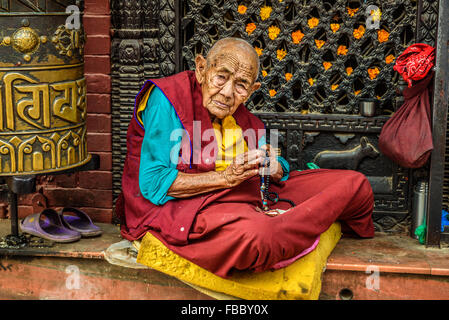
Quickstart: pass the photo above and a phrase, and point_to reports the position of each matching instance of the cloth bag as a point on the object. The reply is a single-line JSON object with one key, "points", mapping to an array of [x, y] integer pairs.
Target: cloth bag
{"points": [[406, 138]]}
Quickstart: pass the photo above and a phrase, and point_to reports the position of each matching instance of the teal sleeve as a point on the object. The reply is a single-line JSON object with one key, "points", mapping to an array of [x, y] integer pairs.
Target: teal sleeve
{"points": [[160, 150], [284, 164]]}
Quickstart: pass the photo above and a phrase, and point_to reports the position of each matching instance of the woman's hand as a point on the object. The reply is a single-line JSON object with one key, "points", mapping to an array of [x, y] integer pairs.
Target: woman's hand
{"points": [[243, 167], [275, 168]]}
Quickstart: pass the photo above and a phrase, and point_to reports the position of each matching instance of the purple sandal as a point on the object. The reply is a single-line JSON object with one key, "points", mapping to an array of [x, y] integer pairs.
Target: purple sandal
{"points": [[79, 222], [48, 225]]}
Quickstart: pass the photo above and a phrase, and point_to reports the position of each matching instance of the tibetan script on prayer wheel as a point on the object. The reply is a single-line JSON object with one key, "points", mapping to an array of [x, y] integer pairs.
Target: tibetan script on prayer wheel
{"points": [[42, 89]]}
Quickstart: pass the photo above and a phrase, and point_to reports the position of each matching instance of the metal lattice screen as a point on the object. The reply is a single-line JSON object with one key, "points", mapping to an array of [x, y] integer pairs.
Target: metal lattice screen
{"points": [[316, 56]]}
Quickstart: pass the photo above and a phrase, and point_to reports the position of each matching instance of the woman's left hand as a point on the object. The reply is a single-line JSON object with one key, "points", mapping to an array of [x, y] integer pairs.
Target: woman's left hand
{"points": [[275, 168]]}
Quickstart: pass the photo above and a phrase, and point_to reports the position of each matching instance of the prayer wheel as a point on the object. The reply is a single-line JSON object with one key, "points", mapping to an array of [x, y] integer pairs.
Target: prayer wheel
{"points": [[42, 88]]}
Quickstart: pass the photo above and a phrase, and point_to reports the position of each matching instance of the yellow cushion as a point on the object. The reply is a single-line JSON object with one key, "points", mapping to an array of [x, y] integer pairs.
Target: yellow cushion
{"points": [[300, 280]]}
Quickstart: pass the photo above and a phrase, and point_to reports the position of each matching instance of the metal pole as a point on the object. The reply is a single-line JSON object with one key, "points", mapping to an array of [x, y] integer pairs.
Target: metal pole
{"points": [[14, 216]]}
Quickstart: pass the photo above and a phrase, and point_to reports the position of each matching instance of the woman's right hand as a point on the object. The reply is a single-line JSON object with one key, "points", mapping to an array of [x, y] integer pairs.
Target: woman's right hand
{"points": [[243, 167]]}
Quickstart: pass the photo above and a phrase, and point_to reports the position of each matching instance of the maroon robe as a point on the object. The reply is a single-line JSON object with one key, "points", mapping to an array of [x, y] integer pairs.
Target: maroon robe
{"points": [[222, 231]]}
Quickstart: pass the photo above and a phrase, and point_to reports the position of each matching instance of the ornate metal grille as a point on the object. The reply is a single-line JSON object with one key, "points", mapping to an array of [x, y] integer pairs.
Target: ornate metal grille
{"points": [[316, 56]]}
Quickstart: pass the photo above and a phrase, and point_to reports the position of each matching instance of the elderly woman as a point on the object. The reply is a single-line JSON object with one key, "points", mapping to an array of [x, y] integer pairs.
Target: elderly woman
{"points": [[199, 192]]}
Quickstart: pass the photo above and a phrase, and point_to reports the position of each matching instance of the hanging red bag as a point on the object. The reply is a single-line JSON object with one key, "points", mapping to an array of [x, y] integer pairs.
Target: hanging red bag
{"points": [[406, 138]]}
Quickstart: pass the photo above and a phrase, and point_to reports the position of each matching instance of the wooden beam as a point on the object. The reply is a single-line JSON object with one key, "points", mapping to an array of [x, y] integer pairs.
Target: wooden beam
{"points": [[439, 127]]}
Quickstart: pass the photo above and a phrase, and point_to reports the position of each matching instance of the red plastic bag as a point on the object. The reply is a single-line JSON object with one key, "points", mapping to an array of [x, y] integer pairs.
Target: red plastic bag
{"points": [[407, 137]]}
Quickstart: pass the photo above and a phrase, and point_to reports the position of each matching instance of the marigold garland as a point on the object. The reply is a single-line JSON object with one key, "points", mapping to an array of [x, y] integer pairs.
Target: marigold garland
{"points": [[288, 76], [382, 35], [349, 70], [265, 12], [272, 92], [297, 36], [319, 43], [250, 27], [273, 32], [264, 73], [334, 86], [242, 9], [259, 51], [359, 32], [373, 72], [327, 65], [342, 50], [389, 59], [280, 54], [311, 81], [313, 22], [357, 92], [335, 27]]}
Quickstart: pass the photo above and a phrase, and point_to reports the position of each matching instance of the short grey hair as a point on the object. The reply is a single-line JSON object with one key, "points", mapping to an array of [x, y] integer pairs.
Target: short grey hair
{"points": [[239, 43]]}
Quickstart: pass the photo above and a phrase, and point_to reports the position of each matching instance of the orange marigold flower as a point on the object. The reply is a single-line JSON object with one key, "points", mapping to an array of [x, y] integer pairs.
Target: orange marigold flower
{"points": [[335, 27], [272, 93], [264, 73], [265, 12], [250, 27], [357, 92], [389, 59], [297, 36], [352, 12], [359, 32], [311, 81], [382, 35], [258, 50], [349, 71], [273, 32], [373, 72], [288, 76], [342, 50], [242, 9], [327, 65], [378, 97], [280, 54], [334, 86], [313, 22], [319, 43]]}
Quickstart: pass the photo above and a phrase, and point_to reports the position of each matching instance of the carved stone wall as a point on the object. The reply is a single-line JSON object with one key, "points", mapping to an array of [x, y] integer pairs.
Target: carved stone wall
{"points": [[135, 57]]}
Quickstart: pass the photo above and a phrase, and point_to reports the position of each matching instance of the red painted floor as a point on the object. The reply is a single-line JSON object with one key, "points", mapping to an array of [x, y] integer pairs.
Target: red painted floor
{"points": [[385, 267]]}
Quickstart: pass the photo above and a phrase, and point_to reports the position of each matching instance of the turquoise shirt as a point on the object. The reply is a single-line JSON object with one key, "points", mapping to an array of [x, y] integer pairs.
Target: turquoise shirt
{"points": [[160, 149]]}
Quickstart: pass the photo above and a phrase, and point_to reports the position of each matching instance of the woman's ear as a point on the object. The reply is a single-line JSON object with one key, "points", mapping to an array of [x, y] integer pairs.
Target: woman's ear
{"points": [[255, 87], [200, 68]]}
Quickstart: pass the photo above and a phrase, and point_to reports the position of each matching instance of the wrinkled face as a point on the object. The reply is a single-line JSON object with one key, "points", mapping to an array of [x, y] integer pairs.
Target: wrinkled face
{"points": [[227, 80]]}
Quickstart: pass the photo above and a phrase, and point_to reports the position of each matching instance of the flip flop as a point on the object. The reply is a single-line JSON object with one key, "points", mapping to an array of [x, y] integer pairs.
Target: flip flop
{"points": [[48, 225], [79, 222]]}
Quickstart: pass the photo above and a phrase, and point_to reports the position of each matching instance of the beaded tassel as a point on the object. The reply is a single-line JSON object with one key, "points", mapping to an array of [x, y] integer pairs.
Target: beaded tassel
{"points": [[264, 185]]}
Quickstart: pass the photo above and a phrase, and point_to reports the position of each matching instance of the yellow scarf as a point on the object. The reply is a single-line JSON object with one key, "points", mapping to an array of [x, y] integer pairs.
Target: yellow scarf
{"points": [[230, 142]]}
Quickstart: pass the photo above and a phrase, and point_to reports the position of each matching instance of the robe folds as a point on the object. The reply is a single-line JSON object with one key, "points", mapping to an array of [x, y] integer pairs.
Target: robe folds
{"points": [[222, 231]]}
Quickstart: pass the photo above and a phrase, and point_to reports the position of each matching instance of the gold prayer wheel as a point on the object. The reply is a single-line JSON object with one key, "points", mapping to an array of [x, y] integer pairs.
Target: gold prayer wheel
{"points": [[42, 88]]}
